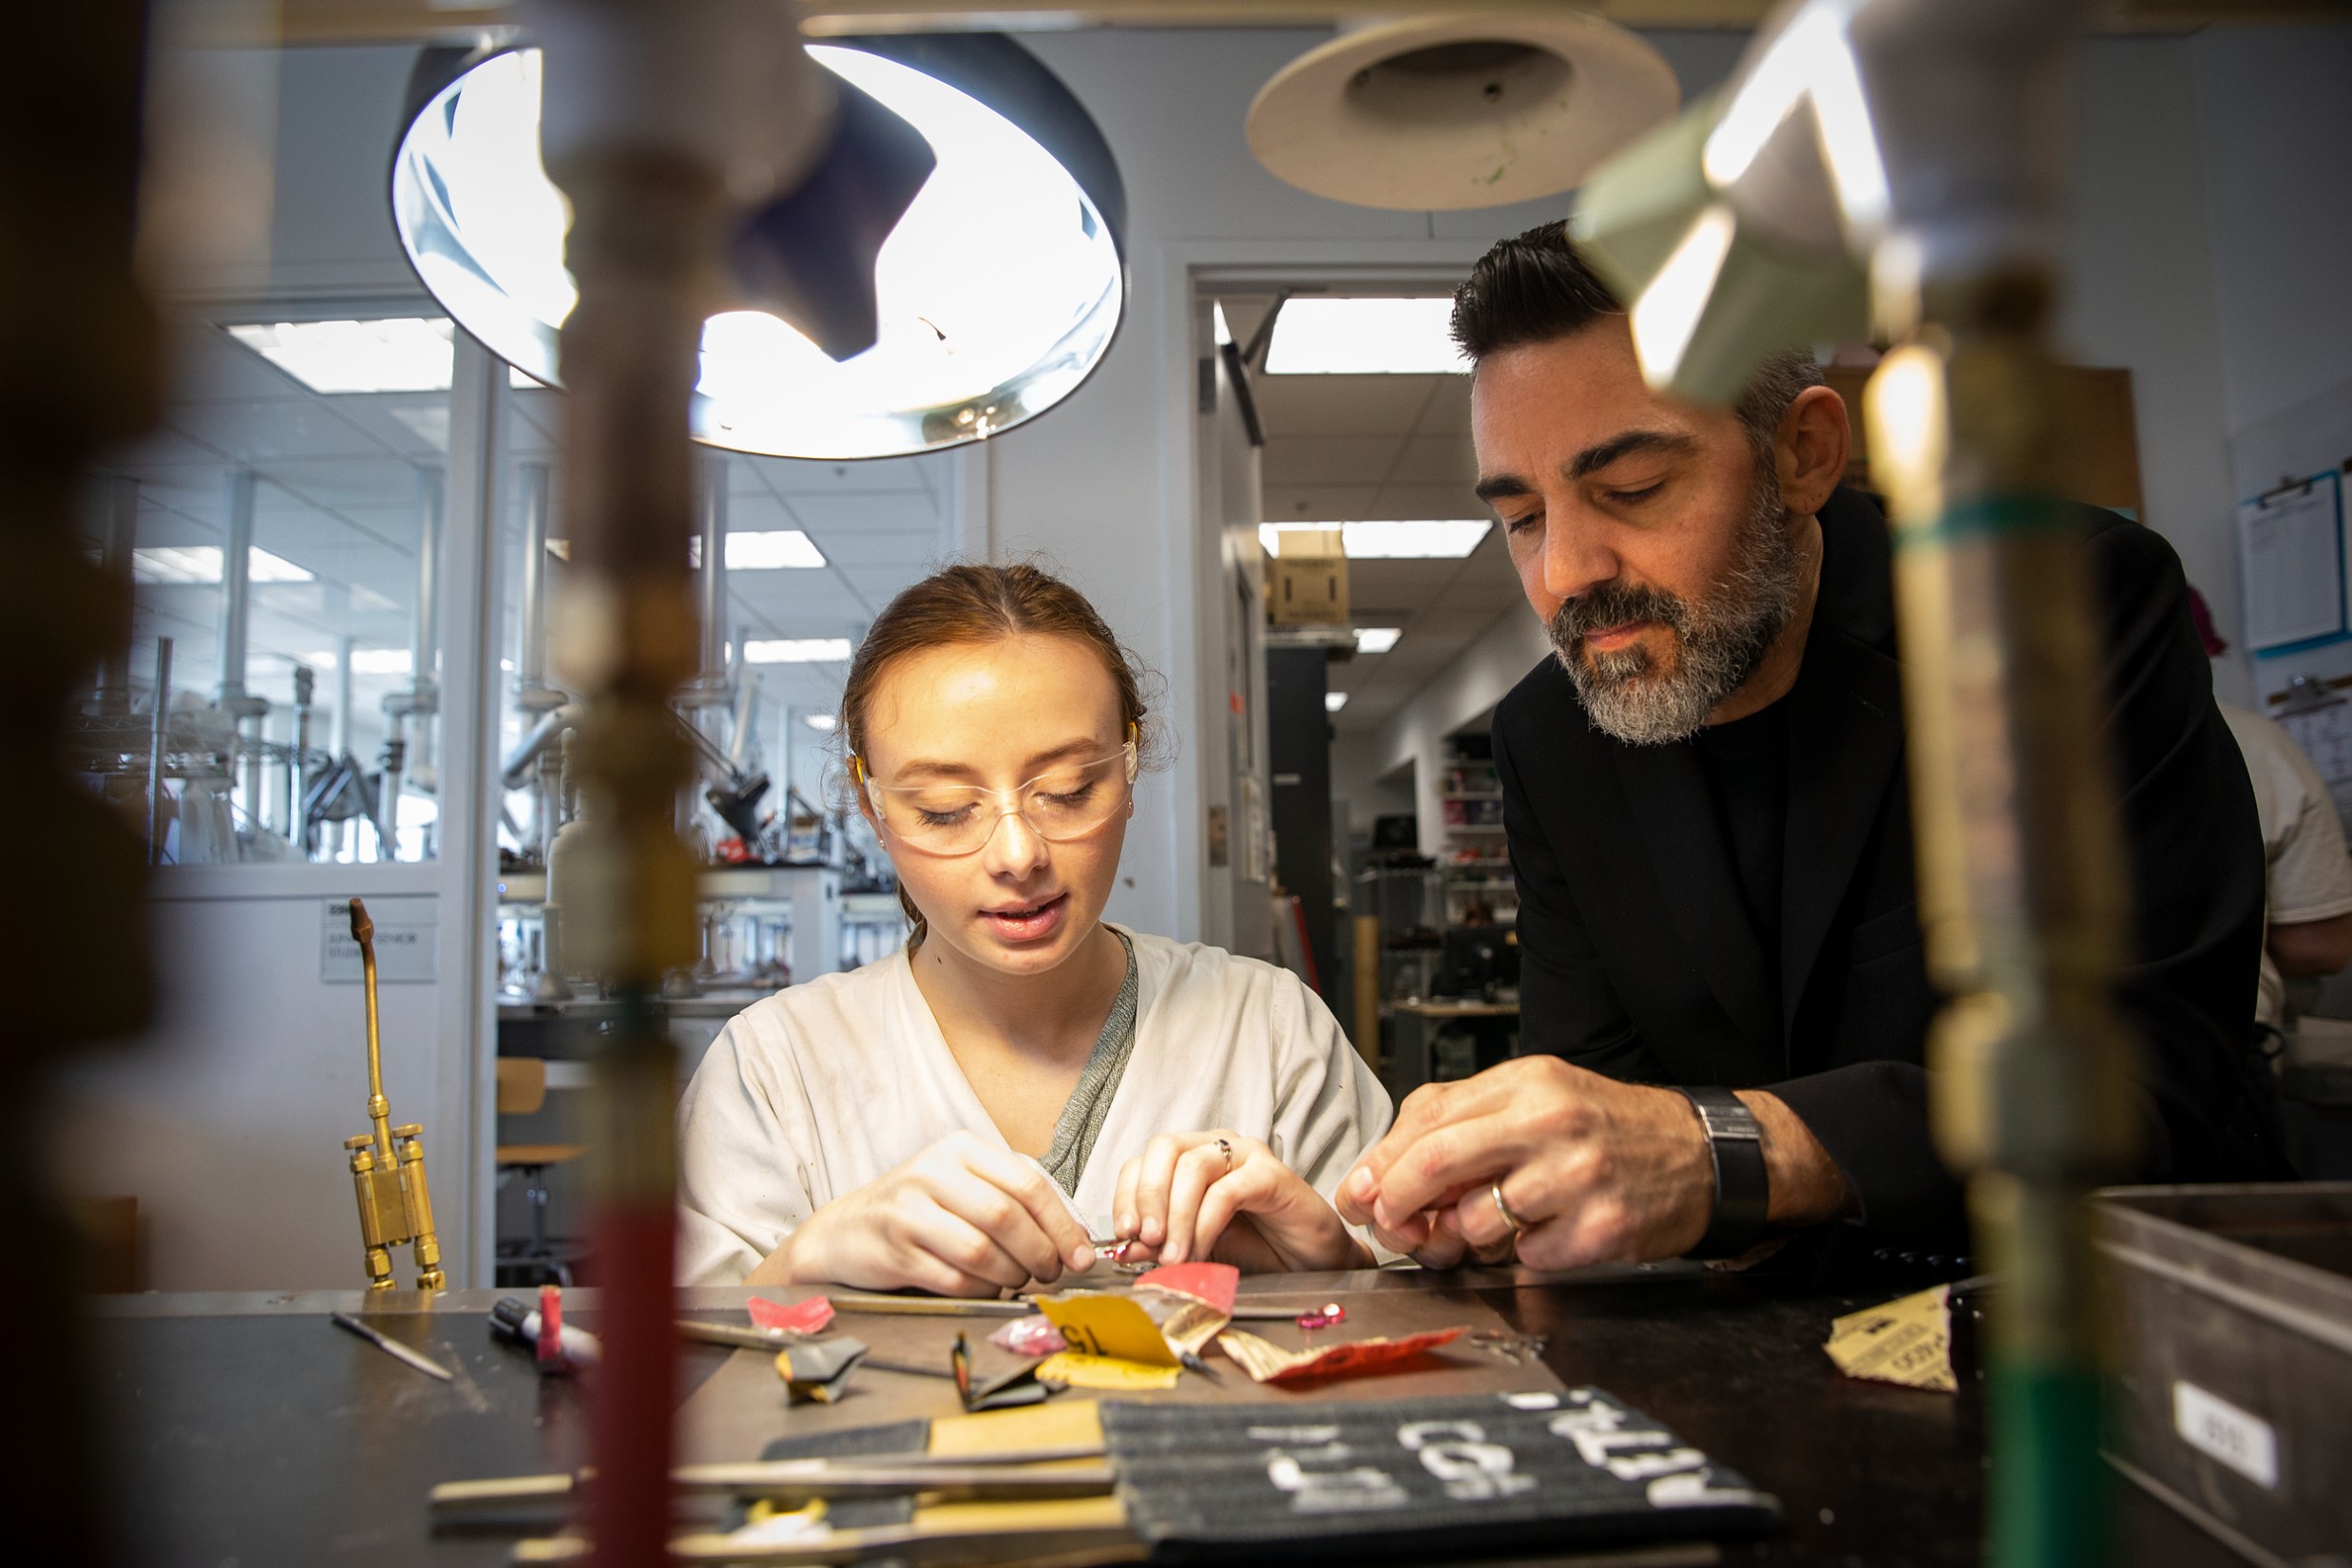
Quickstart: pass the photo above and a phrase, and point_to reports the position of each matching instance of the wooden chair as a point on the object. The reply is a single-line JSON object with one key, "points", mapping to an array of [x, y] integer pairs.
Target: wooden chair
{"points": [[521, 1090]]}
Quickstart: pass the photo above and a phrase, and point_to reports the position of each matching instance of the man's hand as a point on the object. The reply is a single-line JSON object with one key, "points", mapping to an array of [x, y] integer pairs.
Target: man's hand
{"points": [[1595, 1170], [962, 1218], [1598, 1171], [1222, 1196]]}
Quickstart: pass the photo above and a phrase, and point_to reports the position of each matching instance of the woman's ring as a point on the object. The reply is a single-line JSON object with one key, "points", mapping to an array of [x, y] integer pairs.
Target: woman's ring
{"points": [[1503, 1209], [1226, 1149]]}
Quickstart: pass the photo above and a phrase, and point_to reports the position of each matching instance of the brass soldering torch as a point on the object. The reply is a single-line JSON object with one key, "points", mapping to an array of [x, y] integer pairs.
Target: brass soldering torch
{"points": [[388, 1165]]}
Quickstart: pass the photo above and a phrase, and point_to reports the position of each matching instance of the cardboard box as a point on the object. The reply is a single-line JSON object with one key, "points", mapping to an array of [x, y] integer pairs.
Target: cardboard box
{"points": [[1306, 581]]}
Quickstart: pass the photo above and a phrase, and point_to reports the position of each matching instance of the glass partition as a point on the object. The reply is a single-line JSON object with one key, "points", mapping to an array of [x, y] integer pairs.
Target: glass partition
{"points": [[807, 554], [278, 527]]}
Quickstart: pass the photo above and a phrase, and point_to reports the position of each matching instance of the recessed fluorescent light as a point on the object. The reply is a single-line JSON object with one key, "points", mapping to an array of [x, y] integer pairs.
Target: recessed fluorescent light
{"points": [[778, 548], [1333, 701], [1377, 638], [370, 660], [821, 724], [1316, 337], [401, 353], [380, 661], [798, 650], [1433, 539], [202, 563]]}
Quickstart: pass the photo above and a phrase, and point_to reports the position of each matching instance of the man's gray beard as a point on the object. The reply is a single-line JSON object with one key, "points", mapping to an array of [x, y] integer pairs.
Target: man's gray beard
{"points": [[1722, 640]]}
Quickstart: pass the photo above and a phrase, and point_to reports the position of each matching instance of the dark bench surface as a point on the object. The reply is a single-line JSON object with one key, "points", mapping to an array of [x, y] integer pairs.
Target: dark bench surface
{"points": [[247, 1431]]}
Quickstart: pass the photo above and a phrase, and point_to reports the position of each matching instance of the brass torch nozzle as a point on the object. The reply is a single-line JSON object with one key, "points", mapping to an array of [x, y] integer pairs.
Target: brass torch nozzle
{"points": [[363, 929]]}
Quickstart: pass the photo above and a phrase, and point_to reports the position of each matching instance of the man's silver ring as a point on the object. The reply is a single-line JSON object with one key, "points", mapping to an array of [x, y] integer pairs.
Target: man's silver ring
{"points": [[1226, 1148], [1503, 1209]]}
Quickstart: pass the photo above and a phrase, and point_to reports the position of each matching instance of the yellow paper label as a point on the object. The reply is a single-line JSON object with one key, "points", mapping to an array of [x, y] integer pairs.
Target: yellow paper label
{"points": [[1081, 1371], [1108, 1325], [1906, 1341]]}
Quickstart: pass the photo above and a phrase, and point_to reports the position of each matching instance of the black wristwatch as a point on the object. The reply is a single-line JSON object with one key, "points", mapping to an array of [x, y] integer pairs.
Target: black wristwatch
{"points": [[1743, 1193]]}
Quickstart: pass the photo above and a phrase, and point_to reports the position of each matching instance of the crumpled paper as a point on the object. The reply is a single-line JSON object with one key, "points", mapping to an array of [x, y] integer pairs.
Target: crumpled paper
{"points": [[1907, 1341], [1266, 1361]]}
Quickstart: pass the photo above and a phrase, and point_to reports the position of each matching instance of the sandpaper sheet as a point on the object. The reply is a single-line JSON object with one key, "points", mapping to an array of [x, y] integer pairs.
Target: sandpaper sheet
{"points": [[741, 1407]]}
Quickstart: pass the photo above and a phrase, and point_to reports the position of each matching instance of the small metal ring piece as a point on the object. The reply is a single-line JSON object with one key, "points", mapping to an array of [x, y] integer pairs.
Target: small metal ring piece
{"points": [[1226, 1148], [1503, 1209]]}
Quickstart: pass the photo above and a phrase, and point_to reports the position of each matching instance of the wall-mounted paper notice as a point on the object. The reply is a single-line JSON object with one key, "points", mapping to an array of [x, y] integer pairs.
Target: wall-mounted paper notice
{"points": [[2290, 547]]}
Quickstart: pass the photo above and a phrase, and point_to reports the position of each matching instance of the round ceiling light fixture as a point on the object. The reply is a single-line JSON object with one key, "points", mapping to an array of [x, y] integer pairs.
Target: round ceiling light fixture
{"points": [[1442, 113], [995, 295]]}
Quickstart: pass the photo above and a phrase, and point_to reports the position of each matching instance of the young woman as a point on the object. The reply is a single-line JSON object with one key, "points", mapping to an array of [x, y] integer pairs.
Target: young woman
{"points": [[1025, 1079]]}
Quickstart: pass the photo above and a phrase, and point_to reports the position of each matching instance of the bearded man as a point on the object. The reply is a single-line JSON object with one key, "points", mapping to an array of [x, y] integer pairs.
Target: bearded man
{"points": [[1723, 995]]}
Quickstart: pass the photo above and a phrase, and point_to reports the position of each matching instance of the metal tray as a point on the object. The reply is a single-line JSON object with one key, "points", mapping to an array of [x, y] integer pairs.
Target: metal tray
{"points": [[2233, 1397]]}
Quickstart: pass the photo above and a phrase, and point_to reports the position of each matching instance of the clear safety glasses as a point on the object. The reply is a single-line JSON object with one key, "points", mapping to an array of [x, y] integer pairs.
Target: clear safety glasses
{"points": [[1066, 802]]}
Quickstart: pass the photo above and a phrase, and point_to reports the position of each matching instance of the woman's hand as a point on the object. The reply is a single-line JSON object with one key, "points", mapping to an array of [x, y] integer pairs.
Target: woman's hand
{"points": [[962, 1218], [1221, 1196]]}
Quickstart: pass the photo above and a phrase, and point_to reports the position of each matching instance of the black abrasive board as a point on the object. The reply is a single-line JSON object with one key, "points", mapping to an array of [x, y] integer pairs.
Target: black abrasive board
{"points": [[1469, 1473]]}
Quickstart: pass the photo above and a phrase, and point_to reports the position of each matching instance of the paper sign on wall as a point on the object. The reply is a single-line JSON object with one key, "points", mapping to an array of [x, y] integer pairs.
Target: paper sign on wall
{"points": [[408, 935], [2291, 553]]}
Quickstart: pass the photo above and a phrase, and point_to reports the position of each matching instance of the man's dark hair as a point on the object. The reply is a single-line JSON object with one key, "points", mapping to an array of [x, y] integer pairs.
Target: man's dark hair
{"points": [[1535, 288]]}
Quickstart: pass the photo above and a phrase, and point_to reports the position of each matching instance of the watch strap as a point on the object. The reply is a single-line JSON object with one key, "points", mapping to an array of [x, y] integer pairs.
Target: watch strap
{"points": [[1743, 1191]]}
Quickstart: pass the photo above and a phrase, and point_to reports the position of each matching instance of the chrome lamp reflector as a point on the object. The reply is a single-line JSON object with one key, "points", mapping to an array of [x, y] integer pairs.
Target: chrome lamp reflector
{"points": [[997, 293]]}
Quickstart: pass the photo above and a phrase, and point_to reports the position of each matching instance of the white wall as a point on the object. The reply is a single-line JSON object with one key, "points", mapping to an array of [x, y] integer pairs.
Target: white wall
{"points": [[2277, 139], [2140, 294], [226, 1122], [2277, 118]]}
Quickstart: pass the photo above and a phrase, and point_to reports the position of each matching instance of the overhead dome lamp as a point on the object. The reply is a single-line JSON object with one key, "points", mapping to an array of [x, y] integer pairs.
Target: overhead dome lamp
{"points": [[1442, 113], [954, 268]]}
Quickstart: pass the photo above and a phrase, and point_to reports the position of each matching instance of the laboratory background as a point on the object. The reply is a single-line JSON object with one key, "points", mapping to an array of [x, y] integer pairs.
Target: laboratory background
{"points": [[354, 664]]}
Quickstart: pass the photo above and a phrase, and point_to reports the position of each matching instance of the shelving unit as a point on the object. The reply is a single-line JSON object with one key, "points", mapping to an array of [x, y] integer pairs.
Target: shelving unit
{"points": [[1474, 858]]}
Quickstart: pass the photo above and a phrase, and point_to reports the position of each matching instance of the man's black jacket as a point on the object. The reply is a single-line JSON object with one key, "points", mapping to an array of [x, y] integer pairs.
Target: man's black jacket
{"points": [[1638, 958]]}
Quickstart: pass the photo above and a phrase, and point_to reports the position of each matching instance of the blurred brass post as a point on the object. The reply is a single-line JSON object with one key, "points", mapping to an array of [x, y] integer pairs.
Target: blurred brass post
{"points": [[80, 374], [2021, 870], [645, 242]]}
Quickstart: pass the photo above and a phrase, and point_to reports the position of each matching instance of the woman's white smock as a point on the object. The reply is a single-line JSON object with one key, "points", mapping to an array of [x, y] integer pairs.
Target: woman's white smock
{"points": [[822, 1088]]}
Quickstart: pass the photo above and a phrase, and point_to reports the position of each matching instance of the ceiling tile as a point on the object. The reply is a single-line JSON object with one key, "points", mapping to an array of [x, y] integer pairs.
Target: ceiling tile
{"points": [[412, 424], [898, 512], [1317, 503], [258, 431], [159, 452], [373, 480], [910, 553], [795, 477], [1413, 583], [1455, 499], [1436, 460], [1448, 413], [1342, 405], [757, 513], [1328, 459], [298, 529], [209, 366]]}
